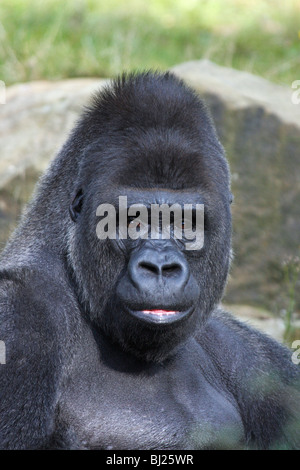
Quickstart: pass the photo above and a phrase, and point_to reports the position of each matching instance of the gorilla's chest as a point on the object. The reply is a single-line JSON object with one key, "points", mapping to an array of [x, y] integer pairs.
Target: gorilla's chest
{"points": [[158, 409]]}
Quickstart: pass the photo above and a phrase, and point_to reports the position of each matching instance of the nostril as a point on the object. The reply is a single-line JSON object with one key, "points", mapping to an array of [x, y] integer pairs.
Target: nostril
{"points": [[151, 268], [172, 269], [166, 270]]}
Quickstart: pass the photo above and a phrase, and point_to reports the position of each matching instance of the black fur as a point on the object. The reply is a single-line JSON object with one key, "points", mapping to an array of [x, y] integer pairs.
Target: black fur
{"points": [[83, 370]]}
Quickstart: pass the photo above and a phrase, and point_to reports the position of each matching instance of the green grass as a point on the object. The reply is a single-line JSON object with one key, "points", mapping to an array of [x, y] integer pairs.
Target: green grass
{"points": [[53, 39]]}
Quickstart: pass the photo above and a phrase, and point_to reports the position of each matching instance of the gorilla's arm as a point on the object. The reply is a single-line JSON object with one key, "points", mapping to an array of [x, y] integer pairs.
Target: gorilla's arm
{"points": [[30, 312], [260, 374]]}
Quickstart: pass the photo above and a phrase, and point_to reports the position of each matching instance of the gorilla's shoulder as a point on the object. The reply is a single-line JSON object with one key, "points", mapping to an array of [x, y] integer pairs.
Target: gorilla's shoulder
{"points": [[33, 301], [231, 342], [27, 281], [260, 374]]}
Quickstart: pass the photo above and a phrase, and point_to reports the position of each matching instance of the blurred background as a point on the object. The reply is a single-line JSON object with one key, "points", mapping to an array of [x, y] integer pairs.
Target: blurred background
{"points": [[253, 49], [51, 39]]}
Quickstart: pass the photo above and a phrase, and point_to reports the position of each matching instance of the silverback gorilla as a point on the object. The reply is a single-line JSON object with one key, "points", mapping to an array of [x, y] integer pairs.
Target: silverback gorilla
{"points": [[120, 343]]}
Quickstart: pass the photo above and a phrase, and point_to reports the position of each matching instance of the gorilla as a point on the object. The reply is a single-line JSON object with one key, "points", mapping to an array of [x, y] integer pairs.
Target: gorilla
{"points": [[121, 343]]}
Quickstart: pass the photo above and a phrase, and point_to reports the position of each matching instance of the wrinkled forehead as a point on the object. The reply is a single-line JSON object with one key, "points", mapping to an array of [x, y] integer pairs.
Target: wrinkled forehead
{"points": [[148, 196], [155, 158]]}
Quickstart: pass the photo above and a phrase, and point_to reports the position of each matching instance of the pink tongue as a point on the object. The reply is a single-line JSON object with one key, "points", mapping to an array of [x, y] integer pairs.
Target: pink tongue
{"points": [[160, 312]]}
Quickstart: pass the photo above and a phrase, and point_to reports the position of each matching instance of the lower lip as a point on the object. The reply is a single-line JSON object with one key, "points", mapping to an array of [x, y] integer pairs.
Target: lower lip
{"points": [[160, 316], [160, 312]]}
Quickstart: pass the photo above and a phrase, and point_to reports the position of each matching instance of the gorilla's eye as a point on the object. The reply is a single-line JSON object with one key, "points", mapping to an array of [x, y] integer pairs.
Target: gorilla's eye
{"points": [[186, 224], [130, 221], [133, 223], [76, 205]]}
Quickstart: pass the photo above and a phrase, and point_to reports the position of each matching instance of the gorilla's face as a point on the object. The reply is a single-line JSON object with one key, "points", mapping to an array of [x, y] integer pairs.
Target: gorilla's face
{"points": [[149, 294], [157, 286]]}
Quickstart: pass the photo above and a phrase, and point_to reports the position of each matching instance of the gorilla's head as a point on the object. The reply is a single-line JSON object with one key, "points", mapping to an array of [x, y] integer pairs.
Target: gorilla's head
{"points": [[148, 138]]}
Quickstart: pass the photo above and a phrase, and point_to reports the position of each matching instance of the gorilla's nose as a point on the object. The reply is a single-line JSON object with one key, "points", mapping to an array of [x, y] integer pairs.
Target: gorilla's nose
{"points": [[158, 267], [164, 268]]}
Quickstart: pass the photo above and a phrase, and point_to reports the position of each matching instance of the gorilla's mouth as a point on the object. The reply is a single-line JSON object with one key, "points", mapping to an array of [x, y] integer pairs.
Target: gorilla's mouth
{"points": [[160, 312], [160, 315]]}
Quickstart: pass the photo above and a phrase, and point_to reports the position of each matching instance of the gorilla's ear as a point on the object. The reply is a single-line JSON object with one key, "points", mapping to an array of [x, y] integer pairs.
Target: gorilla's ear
{"points": [[231, 197], [76, 205]]}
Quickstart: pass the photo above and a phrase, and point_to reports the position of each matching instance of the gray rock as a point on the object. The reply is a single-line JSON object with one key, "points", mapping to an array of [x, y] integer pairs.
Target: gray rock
{"points": [[35, 122]]}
